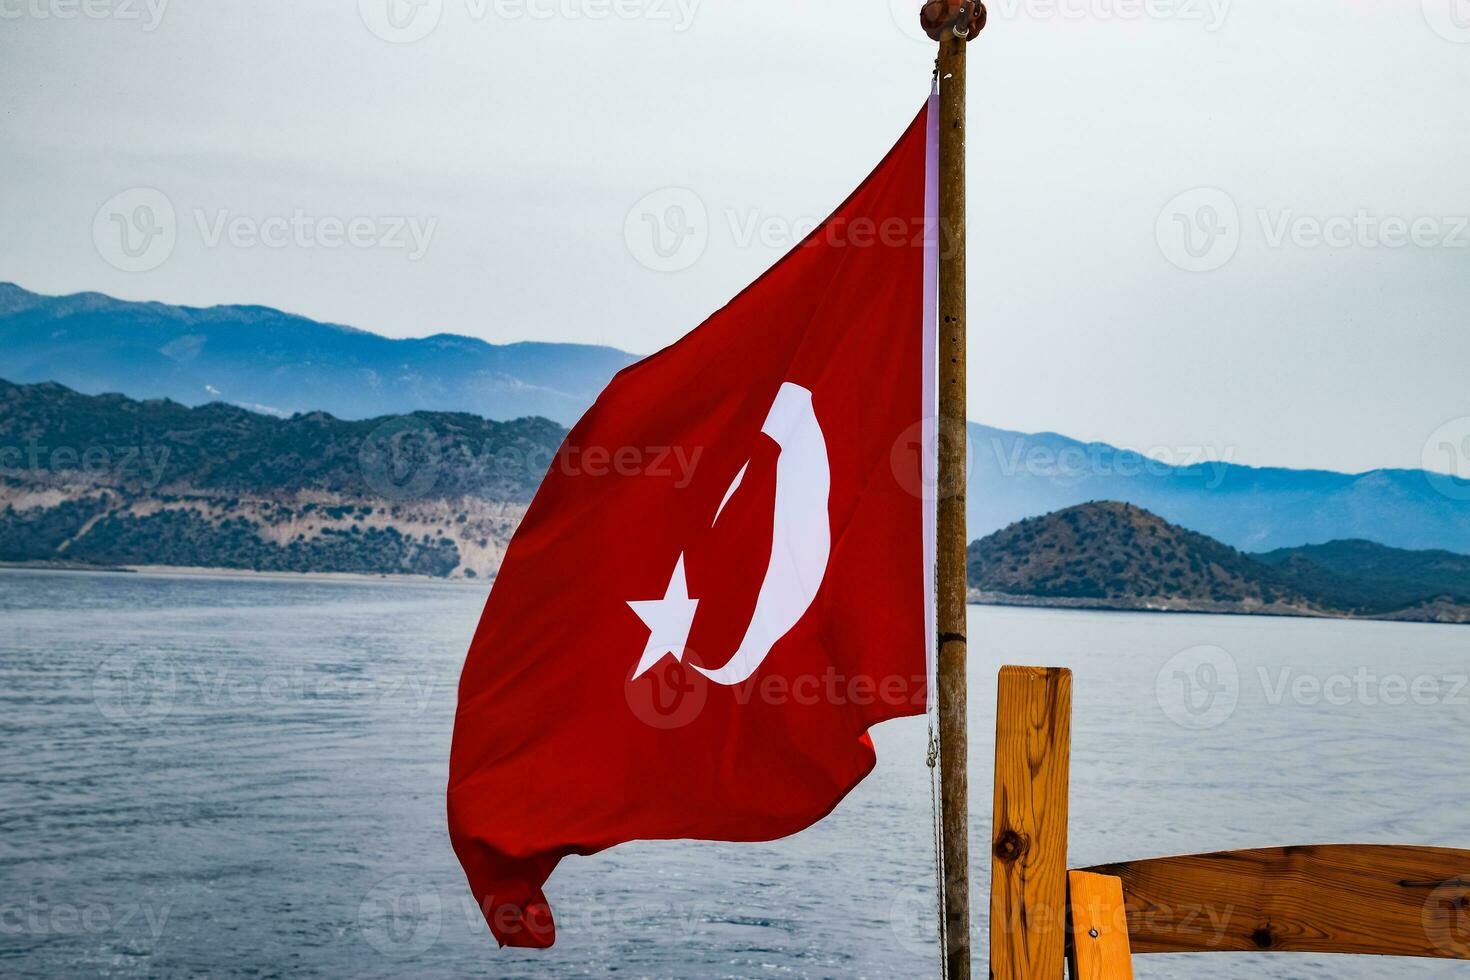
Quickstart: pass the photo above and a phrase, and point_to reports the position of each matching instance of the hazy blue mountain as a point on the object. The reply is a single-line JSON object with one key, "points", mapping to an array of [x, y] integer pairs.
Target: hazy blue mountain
{"points": [[281, 364], [1015, 476], [278, 363]]}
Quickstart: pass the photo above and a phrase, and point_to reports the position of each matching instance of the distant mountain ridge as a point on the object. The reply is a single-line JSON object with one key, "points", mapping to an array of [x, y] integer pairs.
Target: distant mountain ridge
{"points": [[1397, 578], [277, 363], [1109, 555], [1015, 475], [107, 480], [281, 364]]}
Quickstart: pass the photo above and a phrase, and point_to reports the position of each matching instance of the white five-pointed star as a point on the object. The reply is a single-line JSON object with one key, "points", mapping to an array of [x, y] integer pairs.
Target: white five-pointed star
{"points": [[668, 619]]}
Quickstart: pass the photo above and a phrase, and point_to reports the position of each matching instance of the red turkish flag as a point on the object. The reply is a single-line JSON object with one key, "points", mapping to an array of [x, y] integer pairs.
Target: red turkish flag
{"points": [[727, 575]]}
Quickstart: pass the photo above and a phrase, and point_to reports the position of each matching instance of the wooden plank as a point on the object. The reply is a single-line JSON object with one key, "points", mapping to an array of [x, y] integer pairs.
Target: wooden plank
{"points": [[1028, 844], [1388, 900], [1098, 935]]}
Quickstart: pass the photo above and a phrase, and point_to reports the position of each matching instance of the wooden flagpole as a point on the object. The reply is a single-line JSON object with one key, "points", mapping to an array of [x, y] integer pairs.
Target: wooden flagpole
{"points": [[951, 583]]}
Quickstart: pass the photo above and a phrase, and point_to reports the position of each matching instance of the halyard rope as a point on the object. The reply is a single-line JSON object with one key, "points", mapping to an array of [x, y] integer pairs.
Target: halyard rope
{"points": [[938, 821]]}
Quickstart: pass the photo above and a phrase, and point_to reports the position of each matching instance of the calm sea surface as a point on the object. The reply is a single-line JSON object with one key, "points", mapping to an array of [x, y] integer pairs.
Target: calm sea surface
{"points": [[244, 777]]}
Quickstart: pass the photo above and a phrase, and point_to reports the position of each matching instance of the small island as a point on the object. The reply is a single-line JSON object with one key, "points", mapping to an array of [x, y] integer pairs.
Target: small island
{"points": [[1109, 555]]}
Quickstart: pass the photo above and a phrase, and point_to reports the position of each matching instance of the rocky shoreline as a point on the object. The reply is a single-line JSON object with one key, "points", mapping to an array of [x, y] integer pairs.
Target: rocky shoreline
{"points": [[1441, 613]]}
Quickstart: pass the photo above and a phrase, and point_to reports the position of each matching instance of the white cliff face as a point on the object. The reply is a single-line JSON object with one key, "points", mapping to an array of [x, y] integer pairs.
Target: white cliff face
{"points": [[300, 532], [111, 481]]}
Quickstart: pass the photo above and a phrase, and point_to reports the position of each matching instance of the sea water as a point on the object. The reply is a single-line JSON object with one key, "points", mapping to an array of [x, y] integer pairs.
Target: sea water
{"points": [[244, 777]]}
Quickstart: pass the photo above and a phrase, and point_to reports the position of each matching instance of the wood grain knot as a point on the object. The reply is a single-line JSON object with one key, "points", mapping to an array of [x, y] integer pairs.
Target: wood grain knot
{"points": [[1009, 846], [1262, 937]]}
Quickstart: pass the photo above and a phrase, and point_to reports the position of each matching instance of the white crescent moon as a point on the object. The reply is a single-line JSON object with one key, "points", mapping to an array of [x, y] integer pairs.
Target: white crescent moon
{"points": [[801, 541]]}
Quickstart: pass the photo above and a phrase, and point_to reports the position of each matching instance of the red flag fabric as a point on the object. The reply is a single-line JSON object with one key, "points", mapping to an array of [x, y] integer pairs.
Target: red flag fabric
{"points": [[726, 577]]}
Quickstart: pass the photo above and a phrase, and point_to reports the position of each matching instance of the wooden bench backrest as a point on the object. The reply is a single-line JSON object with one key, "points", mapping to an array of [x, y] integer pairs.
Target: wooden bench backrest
{"points": [[1388, 900]]}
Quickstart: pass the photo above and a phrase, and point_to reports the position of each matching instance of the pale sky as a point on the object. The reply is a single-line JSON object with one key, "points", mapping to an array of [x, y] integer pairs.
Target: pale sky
{"points": [[517, 138]]}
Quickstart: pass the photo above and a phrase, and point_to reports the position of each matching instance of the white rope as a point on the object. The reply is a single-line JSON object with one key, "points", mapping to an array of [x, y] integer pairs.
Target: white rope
{"points": [[937, 818]]}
